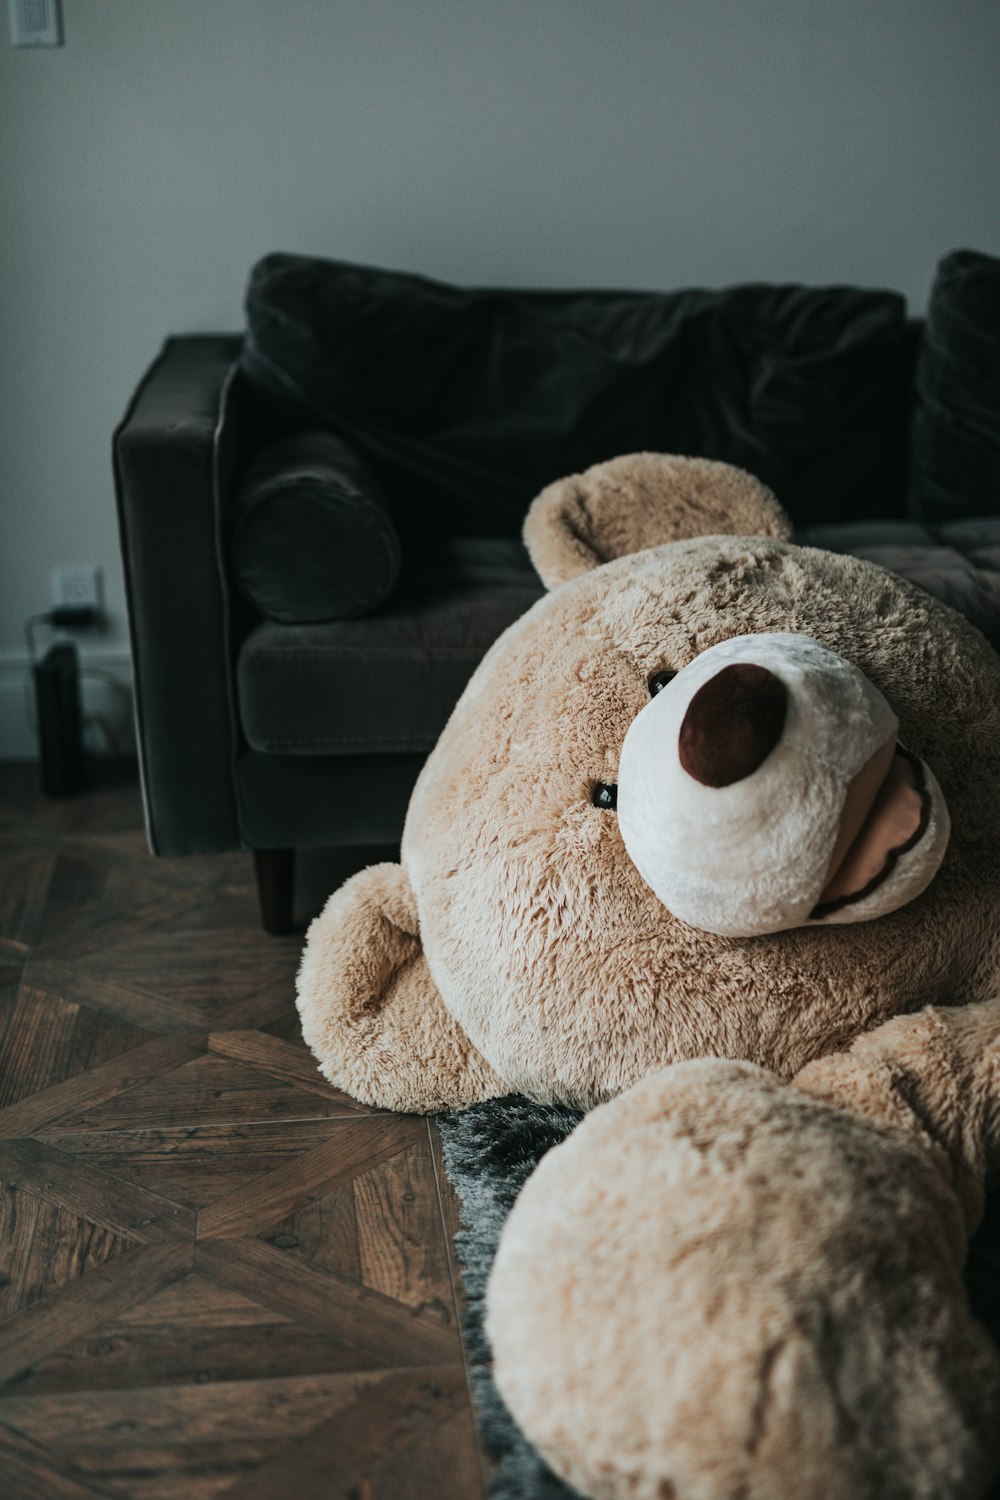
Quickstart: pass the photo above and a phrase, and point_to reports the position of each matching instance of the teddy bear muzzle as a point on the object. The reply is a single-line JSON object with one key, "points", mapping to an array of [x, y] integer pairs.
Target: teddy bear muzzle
{"points": [[764, 788]]}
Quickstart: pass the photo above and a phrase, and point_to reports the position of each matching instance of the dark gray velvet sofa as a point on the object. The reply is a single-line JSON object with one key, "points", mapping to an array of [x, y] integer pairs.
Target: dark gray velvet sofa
{"points": [[263, 731]]}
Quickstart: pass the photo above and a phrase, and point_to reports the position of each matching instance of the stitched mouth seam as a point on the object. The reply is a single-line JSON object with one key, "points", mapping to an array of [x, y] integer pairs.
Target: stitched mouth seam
{"points": [[894, 855]]}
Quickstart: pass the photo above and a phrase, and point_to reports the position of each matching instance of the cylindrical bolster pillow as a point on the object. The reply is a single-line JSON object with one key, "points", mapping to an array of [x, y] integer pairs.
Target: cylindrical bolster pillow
{"points": [[313, 539]]}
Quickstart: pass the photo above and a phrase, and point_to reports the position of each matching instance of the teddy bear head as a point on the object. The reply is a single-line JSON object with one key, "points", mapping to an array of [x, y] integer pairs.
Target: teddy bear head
{"points": [[697, 801]]}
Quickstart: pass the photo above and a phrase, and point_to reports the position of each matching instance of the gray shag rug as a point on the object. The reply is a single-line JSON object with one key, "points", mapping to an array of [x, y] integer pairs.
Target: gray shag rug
{"points": [[489, 1151]]}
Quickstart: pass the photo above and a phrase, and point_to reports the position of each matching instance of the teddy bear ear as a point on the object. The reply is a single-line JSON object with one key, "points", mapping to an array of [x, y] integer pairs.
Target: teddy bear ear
{"points": [[639, 501]]}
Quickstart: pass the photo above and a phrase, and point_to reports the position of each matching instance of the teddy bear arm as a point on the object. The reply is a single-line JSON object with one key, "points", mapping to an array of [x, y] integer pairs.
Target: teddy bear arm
{"points": [[936, 1075], [744, 1291], [370, 1010]]}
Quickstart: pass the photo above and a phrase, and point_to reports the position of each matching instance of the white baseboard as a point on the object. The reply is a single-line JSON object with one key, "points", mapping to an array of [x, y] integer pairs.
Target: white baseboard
{"points": [[106, 699]]}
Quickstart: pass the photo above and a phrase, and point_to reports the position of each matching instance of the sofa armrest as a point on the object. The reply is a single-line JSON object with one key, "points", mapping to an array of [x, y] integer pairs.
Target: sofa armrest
{"points": [[173, 459]]}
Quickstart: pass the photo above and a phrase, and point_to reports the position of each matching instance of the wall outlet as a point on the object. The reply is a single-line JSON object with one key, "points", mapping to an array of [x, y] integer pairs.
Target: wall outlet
{"points": [[35, 23], [79, 586]]}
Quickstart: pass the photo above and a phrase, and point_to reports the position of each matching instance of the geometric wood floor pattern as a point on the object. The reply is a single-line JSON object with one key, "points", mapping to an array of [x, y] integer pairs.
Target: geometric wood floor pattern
{"points": [[218, 1275]]}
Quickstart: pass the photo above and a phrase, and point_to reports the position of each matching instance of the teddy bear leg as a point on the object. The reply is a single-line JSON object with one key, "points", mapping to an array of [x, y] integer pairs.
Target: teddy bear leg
{"points": [[370, 1010]]}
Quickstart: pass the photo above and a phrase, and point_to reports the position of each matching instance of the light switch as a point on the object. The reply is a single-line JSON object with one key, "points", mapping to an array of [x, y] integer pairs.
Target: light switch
{"points": [[35, 23]]}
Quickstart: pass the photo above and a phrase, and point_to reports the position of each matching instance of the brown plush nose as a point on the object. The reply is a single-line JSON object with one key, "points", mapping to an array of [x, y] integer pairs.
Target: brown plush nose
{"points": [[732, 724]]}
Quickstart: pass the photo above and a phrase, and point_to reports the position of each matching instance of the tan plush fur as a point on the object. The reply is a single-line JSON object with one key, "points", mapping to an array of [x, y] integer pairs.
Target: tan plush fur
{"points": [[548, 964], [564, 969], [725, 1285], [383, 1033], [640, 501], [740, 1280]]}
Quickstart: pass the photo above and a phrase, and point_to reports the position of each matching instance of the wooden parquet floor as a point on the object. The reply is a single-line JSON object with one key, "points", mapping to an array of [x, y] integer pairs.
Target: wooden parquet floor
{"points": [[218, 1275]]}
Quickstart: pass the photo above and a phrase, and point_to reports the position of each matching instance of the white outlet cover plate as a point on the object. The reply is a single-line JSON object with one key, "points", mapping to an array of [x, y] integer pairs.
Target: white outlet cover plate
{"points": [[78, 587], [35, 23]]}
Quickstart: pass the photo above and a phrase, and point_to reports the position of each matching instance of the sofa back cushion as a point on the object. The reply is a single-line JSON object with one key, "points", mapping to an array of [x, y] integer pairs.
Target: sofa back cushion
{"points": [[955, 436], [467, 402]]}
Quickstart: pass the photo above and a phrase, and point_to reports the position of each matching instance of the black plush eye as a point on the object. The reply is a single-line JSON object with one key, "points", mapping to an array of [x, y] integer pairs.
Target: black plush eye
{"points": [[604, 794], [659, 680]]}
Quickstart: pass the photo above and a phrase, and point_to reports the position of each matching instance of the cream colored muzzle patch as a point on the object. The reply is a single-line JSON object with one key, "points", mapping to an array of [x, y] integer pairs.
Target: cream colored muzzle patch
{"points": [[764, 789]]}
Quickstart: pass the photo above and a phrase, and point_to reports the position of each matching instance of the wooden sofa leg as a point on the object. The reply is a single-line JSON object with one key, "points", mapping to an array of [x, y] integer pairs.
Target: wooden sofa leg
{"points": [[275, 871]]}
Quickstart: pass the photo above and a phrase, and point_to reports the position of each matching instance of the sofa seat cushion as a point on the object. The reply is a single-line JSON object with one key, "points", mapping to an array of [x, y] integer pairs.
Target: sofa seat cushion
{"points": [[385, 684], [956, 561]]}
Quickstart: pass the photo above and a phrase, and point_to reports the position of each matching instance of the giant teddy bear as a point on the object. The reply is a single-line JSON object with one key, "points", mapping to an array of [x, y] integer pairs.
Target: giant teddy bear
{"points": [[706, 819]]}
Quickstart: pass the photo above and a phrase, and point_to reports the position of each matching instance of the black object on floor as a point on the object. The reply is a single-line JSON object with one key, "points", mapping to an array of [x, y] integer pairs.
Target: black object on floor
{"points": [[60, 739], [490, 1150]]}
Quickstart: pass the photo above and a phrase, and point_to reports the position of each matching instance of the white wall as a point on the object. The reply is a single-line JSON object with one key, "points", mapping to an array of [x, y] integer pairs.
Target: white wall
{"points": [[656, 143]]}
